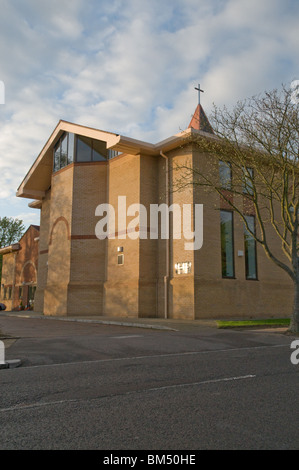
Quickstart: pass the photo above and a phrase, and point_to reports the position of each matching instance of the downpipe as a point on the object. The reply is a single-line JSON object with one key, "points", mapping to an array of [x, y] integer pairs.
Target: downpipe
{"points": [[166, 276]]}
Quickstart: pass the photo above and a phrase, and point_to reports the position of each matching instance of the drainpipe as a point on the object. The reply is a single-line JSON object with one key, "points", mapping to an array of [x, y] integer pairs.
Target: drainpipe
{"points": [[166, 277]]}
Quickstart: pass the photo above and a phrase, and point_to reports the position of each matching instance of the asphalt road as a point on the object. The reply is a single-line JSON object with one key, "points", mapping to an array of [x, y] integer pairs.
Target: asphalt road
{"points": [[90, 386]]}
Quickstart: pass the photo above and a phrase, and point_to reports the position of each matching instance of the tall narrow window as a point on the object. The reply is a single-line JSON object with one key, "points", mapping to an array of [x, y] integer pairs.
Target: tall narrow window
{"points": [[248, 181], [57, 150], [250, 249], [225, 175], [120, 259], [227, 244], [71, 145], [63, 154], [20, 292], [64, 151], [31, 293]]}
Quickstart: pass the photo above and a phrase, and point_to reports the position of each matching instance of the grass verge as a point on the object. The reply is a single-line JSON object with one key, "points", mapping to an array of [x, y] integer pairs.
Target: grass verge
{"points": [[283, 322]]}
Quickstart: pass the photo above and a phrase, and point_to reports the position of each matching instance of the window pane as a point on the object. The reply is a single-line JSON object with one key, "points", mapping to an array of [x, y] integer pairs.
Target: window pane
{"points": [[63, 155], [99, 151], [248, 184], [83, 150], [113, 153], [225, 175], [31, 292], [250, 249], [227, 248], [57, 157], [120, 259], [70, 154]]}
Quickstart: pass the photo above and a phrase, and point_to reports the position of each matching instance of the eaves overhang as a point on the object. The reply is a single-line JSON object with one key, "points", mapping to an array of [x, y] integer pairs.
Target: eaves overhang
{"points": [[131, 146], [10, 249], [38, 179]]}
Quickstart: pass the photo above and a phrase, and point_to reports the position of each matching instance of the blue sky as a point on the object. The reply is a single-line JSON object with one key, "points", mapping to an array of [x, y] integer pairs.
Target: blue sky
{"points": [[130, 67]]}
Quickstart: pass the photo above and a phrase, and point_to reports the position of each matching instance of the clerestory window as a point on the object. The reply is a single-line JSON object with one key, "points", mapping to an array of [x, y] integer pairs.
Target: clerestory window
{"points": [[90, 150], [74, 148], [64, 151]]}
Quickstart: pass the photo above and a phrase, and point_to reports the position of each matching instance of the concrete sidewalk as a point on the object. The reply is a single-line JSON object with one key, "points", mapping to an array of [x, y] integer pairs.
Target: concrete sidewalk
{"points": [[154, 323]]}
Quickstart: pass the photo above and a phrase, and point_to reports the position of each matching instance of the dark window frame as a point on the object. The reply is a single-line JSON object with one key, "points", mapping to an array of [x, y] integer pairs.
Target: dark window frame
{"points": [[68, 158], [31, 293], [21, 292], [233, 245], [228, 184], [246, 251], [92, 149], [121, 257], [247, 189]]}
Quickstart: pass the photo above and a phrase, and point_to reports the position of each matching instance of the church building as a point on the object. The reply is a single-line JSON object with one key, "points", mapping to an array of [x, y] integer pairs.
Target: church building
{"points": [[132, 271]]}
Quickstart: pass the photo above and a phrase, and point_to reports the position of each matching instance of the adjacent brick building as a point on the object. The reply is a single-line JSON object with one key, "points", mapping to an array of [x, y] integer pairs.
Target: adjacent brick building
{"points": [[79, 169], [19, 271]]}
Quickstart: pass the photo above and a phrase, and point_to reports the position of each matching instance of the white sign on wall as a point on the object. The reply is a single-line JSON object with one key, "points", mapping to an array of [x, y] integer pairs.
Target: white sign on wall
{"points": [[183, 268]]}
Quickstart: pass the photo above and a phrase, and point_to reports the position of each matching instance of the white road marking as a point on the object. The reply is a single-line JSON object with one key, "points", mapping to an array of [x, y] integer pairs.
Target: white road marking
{"points": [[126, 336], [155, 356], [211, 381], [22, 407]]}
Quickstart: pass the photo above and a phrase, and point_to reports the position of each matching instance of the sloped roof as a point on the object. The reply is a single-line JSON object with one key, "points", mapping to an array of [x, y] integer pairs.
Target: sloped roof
{"points": [[17, 245], [38, 179], [200, 121]]}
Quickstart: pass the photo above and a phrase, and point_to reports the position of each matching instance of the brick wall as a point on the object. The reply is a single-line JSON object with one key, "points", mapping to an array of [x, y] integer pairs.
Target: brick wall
{"points": [[80, 275]]}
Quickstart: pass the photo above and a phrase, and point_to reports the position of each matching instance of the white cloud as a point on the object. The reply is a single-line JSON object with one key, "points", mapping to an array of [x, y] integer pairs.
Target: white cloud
{"points": [[28, 218], [131, 66]]}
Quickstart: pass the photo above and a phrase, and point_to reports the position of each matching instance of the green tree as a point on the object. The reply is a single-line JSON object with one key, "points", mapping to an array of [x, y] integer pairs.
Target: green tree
{"points": [[258, 140], [11, 230]]}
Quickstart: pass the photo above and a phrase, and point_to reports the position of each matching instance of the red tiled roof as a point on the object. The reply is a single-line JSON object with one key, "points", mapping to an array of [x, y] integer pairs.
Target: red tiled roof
{"points": [[200, 121]]}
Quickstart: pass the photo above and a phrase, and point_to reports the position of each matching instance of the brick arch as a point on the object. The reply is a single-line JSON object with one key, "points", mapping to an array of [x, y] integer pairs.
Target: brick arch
{"points": [[60, 219], [25, 265]]}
